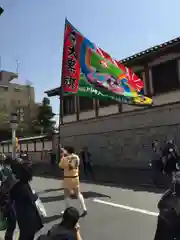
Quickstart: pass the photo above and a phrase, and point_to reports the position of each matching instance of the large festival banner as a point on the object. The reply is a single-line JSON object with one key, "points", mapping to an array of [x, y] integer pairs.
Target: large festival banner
{"points": [[87, 90], [91, 72]]}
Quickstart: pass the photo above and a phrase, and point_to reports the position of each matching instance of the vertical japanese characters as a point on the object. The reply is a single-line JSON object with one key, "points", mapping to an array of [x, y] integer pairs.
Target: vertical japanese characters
{"points": [[71, 69]]}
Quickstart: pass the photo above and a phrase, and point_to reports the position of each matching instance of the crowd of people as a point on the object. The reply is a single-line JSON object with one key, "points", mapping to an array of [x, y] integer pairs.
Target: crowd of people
{"points": [[18, 200], [166, 161]]}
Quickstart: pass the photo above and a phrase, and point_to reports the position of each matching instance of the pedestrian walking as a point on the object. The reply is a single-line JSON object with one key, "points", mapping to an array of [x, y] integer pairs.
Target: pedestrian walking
{"points": [[87, 162], [156, 163], [27, 215], [70, 162]]}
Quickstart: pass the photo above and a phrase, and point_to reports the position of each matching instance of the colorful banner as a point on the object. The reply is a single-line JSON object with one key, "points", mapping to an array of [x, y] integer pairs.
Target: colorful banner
{"points": [[71, 67], [87, 90], [103, 77]]}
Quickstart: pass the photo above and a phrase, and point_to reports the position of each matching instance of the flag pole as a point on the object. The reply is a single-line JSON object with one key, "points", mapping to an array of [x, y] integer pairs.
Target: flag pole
{"points": [[17, 68], [61, 114], [61, 96]]}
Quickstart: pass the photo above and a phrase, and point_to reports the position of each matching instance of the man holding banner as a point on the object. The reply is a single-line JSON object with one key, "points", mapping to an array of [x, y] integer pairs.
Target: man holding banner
{"points": [[70, 162]]}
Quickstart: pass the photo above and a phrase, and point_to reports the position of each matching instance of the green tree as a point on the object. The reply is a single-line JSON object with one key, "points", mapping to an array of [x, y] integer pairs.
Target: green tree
{"points": [[1, 10], [45, 122]]}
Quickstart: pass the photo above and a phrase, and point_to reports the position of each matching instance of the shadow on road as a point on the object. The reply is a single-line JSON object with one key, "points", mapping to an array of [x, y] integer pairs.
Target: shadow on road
{"points": [[50, 190], [53, 190], [52, 218], [86, 195], [127, 178]]}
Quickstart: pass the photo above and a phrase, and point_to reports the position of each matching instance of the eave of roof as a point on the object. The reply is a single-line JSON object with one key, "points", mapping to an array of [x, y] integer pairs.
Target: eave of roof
{"points": [[151, 50], [53, 92]]}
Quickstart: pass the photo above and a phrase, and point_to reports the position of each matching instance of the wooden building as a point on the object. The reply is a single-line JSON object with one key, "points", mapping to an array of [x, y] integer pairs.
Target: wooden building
{"points": [[121, 135]]}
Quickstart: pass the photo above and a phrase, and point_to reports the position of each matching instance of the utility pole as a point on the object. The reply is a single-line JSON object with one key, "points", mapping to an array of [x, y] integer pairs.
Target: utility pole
{"points": [[29, 84]]}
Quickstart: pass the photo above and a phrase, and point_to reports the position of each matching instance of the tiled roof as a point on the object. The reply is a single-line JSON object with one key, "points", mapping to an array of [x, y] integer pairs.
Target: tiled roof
{"points": [[53, 92], [151, 50]]}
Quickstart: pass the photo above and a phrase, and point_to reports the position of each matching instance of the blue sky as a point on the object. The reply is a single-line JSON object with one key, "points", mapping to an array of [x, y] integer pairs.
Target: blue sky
{"points": [[32, 32]]}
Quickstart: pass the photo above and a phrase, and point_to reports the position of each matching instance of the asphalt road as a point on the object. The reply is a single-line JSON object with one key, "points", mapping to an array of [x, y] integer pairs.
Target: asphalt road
{"points": [[113, 212]]}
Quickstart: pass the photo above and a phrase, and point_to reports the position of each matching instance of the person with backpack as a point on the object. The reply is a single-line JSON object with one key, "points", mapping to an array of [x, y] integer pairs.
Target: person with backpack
{"points": [[68, 229], [87, 162], [156, 163]]}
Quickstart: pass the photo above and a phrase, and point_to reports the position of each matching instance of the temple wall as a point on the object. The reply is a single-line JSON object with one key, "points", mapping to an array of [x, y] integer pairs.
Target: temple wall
{"points": [[124, 139]]}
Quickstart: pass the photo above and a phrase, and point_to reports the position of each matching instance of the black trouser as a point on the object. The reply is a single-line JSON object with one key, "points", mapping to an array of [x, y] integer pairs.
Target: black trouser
{"points": [[11, 224], [164, 231], [53, 159], [157, 172], [24, 236]]}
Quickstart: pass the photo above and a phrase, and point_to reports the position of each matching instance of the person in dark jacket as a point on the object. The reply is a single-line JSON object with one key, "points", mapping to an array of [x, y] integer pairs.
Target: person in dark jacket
{"points": [[171, 156], [87, 162], [27, 215], [156, 163], [168, 226], [171, 159]]}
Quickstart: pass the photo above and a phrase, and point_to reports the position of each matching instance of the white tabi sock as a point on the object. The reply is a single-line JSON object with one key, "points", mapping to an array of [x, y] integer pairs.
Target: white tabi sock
{"points": [[66, 202], [82, 202]]}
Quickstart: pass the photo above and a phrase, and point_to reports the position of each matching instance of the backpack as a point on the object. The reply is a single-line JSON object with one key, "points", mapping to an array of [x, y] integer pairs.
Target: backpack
{"points": [[58, 232], [8, 182]]}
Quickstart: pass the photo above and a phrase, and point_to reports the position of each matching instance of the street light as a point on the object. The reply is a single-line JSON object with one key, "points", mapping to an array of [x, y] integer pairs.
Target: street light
{"points": [[1, 10], [14, 125]]}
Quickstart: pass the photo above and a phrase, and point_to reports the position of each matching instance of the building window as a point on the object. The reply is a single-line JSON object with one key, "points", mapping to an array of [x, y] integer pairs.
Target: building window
{"points": [[69, 105], [20, 113], [4, 88], [13, 103], [85, 104], [165, 77], [139, 74], [16, 89]]}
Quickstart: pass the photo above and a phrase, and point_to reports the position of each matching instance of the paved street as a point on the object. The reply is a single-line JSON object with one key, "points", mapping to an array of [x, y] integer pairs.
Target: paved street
{"points": [[113, 212]]}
